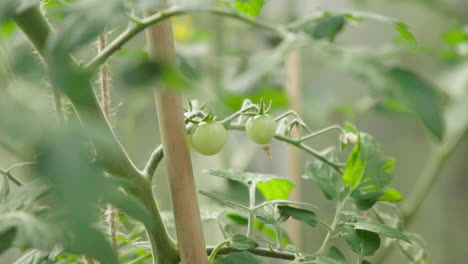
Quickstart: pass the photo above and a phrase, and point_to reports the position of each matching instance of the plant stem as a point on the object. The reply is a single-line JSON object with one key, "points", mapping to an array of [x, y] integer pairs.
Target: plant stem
{"points": [[190, 238], [427, 181], [360, 259], [296, 143], [216, 250], [176, 11], [264, 252], [11, 177], [431, 174], [119, 163], [140, 259], [336, 219], [278, 237], [250, 225], [105, 102], [320, 132]]}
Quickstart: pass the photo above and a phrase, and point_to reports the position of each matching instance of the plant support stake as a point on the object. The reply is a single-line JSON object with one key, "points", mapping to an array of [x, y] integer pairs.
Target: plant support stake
{"points": [[179, 166]]}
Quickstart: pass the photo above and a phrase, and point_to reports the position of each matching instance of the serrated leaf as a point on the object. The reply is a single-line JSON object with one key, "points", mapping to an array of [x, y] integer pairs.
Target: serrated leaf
{"points": [[388, 231], [305, 216], [391, 195], [237, 258], [325, 176], [336, 254], [328, 28], [34, 256], [250, 7], [241, 242], [224, 200], [377, 174], [421, 97], [362, 242], [28, 230], [354, 169], [276, 189], [246, 178], [270, 214], [265, 229]]}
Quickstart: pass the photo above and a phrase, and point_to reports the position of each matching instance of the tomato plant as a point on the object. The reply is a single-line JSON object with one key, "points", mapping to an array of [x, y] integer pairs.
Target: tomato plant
{"points": [[75, 127]]}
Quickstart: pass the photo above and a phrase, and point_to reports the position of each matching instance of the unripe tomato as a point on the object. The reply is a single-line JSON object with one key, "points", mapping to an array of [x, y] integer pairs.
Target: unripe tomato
{"points": [[208, 138], [261, 128]]}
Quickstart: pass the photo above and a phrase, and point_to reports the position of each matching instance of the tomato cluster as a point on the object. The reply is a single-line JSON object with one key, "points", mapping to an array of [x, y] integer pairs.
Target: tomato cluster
{"points": [[208, 138]]}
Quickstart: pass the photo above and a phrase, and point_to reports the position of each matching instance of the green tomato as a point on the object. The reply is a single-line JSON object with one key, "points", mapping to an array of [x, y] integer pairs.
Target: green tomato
{"points": [[261, 128], [208, 138]]}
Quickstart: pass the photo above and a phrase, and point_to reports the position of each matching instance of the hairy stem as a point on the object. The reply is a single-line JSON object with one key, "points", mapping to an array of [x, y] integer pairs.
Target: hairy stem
{"points": [[250, 224], [36, 28], [336, 219], [168, 13]]}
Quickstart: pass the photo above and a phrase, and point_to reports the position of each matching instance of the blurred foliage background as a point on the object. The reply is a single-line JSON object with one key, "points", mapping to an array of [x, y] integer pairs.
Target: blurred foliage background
{"points": [[224, 62]]}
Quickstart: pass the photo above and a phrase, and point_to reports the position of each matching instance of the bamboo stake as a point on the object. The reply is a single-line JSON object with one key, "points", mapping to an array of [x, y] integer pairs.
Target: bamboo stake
{"points": [[189, 230], [293, 154]]}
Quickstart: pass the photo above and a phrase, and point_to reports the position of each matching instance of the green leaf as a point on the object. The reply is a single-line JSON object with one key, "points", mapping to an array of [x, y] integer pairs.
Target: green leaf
{"points": [[456, 36], [270, 214], [377, 174], [391, 195], [318, 260], [336, 254], [325, 260], [364, 224], [276, 189], [265, 229], [28, 230], [421, 97], [241, 242], [366, 203], [129, 205], [305, 216], [246, 178], [325, 176], [366, 262], [362, 242], [234, 100], [328, 28], [224, 200], [237, 258], [7, 237], [34, 256], [250, 7], [403, 29], [354, 169]]}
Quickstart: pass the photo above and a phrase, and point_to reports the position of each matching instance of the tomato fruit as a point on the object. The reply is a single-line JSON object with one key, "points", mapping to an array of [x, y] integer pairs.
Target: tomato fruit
{"points": [[261, 128], [208, 138]]}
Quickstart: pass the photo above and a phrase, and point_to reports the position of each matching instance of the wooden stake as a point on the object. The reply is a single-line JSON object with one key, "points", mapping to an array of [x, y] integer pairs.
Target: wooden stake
{"points": [[293, 154], [191, 241]]}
